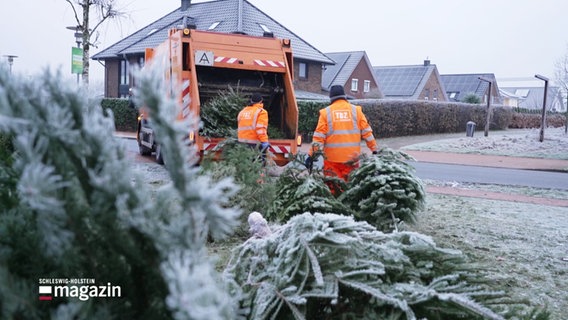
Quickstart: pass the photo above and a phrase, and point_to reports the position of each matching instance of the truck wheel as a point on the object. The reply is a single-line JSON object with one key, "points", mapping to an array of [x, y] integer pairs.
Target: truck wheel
{"points": [[159, 155], [143, 150]]}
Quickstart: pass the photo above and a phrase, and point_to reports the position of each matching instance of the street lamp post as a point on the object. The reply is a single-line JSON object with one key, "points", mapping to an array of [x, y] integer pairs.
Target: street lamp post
{"points": [[10, 60], [543, 118], [488, 120], [78, 39]]}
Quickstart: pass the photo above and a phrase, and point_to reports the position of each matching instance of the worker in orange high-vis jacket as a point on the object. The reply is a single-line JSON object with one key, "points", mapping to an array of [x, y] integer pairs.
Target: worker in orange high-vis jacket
{"points": [[253, 124], [340, 129]]}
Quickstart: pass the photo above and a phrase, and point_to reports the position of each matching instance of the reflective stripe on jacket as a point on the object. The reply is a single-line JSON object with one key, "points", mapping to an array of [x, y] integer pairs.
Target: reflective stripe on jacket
{"points": [[253, 123], [339, 132]]}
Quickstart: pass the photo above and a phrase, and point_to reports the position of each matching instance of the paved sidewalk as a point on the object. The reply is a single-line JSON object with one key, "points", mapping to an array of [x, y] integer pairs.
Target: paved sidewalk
{"points": [[500, 196]]}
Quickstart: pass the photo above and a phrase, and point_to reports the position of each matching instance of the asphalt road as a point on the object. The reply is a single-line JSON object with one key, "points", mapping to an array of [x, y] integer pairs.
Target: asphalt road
{"points": [[499, 176], [450, 172]]}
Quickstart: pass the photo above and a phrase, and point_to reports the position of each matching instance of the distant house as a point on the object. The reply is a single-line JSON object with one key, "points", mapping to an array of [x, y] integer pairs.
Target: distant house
{"points": [[533, 97], [411, 82], [226, 16], [510, 99], [354, 72], [459, 86]]}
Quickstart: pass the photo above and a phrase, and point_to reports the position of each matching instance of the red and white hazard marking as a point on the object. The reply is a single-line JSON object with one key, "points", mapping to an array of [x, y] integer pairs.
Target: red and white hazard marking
{"points": [[226, 60], [185, 98], [279, 149], [270, 63], [209, 146]]}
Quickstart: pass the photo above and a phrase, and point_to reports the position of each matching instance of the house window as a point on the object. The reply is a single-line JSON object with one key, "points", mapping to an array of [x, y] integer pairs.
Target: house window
{"points": [[435, 95], [141, 62], [366, 86], [426, 94], [354, 85], [123, 72], [264, 28], [214, 25], [303, 74], [124, 79]]}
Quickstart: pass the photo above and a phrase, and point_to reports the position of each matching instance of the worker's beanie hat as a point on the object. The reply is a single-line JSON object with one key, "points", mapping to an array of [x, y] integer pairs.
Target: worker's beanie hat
{"points": [[336, 92], [256, 98]]}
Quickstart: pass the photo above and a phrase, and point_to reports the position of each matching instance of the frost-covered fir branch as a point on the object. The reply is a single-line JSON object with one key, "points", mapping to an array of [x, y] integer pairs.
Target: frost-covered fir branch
{"points": [[75, 209], [384, 190], [299, 192], [329, 266]]}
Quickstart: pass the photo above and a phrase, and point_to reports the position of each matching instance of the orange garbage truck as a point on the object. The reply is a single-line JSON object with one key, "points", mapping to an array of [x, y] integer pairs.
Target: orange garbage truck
{"points": [[201, 63]]}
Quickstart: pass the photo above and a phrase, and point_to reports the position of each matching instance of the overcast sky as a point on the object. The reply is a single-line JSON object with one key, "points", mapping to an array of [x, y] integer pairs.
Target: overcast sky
{"points": [[510, 38]]}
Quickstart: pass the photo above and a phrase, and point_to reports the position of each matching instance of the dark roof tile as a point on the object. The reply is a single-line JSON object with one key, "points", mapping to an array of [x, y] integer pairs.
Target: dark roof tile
{"points": [[205, 14]]}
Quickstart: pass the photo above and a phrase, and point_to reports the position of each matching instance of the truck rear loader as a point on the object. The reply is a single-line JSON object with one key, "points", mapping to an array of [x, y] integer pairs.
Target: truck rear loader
{"points": [[203, 63]]}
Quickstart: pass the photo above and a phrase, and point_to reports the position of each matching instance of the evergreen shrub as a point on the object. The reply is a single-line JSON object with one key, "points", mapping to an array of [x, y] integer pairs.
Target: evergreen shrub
{"points": [[308, 115], [125, 118]]}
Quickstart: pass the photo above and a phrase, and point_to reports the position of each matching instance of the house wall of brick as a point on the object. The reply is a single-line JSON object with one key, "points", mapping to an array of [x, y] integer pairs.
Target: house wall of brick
{"points": [[362, 72], [313, 82], [433, 89]]}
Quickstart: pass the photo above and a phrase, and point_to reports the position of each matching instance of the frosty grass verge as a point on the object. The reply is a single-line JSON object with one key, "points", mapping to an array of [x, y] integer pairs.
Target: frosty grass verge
{"points": [[523, 245], [516, 143]]}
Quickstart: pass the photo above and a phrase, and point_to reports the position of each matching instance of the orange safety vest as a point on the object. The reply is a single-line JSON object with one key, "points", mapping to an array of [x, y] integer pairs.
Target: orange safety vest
{"points": [[253, 123], [340, 129]]}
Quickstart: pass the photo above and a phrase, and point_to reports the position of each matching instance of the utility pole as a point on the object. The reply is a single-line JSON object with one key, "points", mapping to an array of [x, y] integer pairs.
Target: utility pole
{"points": [[543, 118], [488, 120], [10, 60]]}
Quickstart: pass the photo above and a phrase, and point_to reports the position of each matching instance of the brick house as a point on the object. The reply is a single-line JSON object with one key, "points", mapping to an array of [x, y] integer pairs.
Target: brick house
{"points": [[411, 82], [354, 72], [225, 16]]}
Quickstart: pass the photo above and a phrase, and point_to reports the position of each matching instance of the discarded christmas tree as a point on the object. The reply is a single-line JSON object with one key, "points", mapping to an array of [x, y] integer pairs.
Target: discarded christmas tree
{"points": [[72, 208], [298, 192], [328, 266], [219, 113], [384, 191]]}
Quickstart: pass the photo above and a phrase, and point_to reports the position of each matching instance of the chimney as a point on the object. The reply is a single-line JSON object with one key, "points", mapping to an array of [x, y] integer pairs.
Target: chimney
{"points": [[426, 62], [185, 5]]}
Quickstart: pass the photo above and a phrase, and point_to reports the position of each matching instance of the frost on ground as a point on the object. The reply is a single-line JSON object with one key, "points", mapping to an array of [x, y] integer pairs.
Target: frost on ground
{"points": [[518, 143], [523, 246]]}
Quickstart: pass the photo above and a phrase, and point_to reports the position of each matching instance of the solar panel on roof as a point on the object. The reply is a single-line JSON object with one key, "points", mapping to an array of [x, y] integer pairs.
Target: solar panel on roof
{"points": [[400, 81]]}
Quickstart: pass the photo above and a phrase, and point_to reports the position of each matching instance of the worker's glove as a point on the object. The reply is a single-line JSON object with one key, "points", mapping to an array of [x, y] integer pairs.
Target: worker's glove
{"points": [[309, 162], [264, 146], [375, 152]]}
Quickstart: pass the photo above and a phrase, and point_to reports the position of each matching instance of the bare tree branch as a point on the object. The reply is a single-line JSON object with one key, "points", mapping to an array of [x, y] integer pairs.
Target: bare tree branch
{"points": [[74, 12], [104, 10]]}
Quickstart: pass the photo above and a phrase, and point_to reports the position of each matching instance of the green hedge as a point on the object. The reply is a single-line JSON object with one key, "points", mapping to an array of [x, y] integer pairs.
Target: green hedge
{"points": [[395, 118], [388, 118], [125, 117]]}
